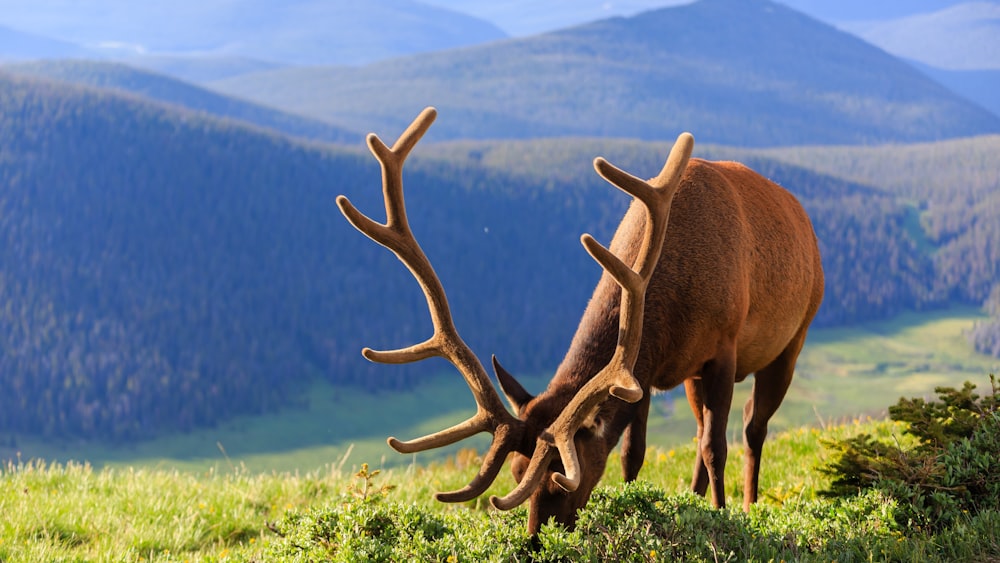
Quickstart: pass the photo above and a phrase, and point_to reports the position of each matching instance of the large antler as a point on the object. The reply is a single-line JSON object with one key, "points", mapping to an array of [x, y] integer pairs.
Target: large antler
{"points": [[616, 378], [491, 415]]}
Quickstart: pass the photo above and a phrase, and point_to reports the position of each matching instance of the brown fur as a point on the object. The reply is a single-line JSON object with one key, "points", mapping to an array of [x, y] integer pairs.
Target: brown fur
{"points": [[737, 284]]}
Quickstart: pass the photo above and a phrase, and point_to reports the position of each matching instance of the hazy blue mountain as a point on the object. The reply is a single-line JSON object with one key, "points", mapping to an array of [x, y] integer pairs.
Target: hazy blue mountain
{"points": [[964, 36], [980, 86], [748, 72], [957, 45], [949, 34], [292, 32], [848, 10], [528, 17], [18, 45], [198, 68], [173, 91]]}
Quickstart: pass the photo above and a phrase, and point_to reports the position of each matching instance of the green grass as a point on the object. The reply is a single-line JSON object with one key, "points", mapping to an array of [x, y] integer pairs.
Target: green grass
{"points": [[184, 498], [55, 512], [842, 373]]}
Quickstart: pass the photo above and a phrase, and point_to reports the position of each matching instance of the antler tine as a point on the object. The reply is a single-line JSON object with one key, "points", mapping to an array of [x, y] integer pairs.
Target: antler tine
{"points": [[395, 234], [616, 378], [545, 453]]}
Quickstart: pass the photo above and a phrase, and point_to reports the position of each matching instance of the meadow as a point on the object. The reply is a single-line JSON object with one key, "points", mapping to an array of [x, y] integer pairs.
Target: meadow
{"points": [[286, 487], [73, 512]]}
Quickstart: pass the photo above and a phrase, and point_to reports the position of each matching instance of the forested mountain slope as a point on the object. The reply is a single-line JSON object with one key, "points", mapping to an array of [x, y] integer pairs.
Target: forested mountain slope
{"points": [[170, 90], [738, 72], [160, 269], [956, 185]]}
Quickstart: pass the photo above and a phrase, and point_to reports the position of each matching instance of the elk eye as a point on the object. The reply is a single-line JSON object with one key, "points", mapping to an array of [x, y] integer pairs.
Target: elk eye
{"points": [[595, 426]]}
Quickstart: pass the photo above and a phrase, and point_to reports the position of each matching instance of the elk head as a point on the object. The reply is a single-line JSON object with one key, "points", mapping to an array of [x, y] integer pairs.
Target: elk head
{"points": [[747, 278]]}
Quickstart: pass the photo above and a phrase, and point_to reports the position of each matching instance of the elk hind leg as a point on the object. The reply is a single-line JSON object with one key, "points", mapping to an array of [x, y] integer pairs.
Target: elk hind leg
{"points": [[769, 387], [696, 399]]}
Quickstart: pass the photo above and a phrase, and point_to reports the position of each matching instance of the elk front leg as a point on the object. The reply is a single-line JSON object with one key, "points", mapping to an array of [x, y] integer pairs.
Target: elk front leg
{"points": [[634, 441], [718, 378]]}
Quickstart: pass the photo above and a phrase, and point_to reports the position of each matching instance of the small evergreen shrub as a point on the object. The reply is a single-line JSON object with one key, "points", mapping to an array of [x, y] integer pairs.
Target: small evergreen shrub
{"points": [[950, 475]]}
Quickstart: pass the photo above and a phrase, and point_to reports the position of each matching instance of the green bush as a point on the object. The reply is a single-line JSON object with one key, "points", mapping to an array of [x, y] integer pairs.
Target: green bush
{"points": [[629, 522], [948, 476]]}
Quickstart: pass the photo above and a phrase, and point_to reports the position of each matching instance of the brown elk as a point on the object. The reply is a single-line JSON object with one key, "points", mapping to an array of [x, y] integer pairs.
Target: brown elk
{"points": [[724, 289]]}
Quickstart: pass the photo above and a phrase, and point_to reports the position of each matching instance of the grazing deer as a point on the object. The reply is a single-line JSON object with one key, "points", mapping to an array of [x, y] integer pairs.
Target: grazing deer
{"points": [[728, 289]]}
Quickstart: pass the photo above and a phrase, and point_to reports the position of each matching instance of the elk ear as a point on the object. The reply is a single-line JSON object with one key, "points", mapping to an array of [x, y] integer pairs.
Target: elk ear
{"points": [[516, 395]]}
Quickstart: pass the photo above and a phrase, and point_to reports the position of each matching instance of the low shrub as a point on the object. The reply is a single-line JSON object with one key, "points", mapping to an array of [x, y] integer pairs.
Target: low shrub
{"points": [[948, 476], [629, 522]]}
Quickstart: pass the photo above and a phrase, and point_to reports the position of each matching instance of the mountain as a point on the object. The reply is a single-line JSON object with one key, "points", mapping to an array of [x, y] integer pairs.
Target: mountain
{"points": [[18, 45], [162, 269], [292, 32], [169, 90], [964, 36], [953, 183], [858, 10], [979, 86], [526, 17], [957, 46], [748, 72], [197, 68]]}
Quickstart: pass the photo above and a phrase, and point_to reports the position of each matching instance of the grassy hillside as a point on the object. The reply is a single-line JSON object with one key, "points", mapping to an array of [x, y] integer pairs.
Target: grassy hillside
{"points": [[55, 512], [734, 72]]}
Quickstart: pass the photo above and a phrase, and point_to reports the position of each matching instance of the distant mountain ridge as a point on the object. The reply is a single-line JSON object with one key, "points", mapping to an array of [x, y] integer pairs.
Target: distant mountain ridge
{"points": [[169, 90], [748, 72], [980, 86], [16, 45], [291, 32], [965, 36]]}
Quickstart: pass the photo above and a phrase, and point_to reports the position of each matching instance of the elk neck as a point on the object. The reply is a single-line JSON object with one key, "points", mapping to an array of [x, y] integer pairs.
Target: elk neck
{"points": [[590, 351]]}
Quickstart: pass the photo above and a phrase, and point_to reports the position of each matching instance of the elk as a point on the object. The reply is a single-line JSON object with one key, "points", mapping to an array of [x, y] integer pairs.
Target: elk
{"points": [[713, 274]]}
